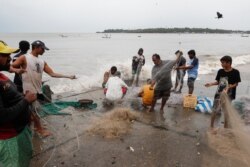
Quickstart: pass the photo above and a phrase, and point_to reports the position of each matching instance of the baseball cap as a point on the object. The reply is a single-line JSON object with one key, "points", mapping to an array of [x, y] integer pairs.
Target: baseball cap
{"points": [[5, 49], [39, 43]]}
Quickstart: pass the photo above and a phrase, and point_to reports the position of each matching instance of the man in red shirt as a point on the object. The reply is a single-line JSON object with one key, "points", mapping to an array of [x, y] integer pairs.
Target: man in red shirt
{"points": [[15, 135]]}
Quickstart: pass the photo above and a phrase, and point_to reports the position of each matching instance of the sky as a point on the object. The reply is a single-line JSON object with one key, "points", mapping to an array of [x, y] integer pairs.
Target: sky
{"points": [[89, 16]]}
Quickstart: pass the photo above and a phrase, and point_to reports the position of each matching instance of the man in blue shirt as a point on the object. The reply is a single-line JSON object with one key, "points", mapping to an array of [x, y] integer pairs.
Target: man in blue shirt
{"points": [[192, 70]]}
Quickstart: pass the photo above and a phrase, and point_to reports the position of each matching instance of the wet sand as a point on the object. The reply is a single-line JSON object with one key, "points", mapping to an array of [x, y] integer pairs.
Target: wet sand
{"points": [[178, 137]]}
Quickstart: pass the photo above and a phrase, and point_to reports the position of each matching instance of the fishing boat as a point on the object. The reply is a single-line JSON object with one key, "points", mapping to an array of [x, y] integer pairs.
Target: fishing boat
{"points": [[63, 36], [244, 35], [106, 36]]}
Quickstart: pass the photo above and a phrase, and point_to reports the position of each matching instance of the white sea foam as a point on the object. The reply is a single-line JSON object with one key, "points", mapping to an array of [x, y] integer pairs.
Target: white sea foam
{"points": [[83, 83], [209, 65]]}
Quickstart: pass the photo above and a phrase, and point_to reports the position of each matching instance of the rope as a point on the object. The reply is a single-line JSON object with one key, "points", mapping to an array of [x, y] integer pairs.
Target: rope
{"points": [[54, 147], [56, 138]]}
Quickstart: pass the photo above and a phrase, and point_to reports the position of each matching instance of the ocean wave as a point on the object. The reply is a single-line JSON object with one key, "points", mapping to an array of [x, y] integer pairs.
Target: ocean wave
{"points": [[208, 64]]}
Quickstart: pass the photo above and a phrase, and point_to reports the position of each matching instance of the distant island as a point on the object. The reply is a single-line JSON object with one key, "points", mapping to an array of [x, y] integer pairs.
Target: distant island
{"points": [[177, 30]]}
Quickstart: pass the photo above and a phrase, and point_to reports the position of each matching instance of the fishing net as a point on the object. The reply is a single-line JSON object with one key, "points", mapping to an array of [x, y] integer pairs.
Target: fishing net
{"points": [[242, 105], [56, 107], [114, 123]]}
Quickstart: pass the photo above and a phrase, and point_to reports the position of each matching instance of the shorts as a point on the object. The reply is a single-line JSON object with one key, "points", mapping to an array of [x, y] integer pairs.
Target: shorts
{"points": [[180, 77], [190, 82], [158, 94], [124, 90], [136, 71], [217, 109]]}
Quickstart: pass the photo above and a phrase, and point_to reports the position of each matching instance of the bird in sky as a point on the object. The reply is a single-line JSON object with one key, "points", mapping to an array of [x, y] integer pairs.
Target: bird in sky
{"points": [[219, 15]]}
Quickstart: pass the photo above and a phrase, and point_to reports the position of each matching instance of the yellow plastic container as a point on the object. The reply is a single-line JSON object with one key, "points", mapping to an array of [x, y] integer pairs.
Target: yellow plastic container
{"points": [[189, 101]]}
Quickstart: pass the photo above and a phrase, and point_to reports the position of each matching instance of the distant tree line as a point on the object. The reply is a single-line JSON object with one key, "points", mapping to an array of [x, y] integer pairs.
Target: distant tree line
{"points": [[174, 30]]}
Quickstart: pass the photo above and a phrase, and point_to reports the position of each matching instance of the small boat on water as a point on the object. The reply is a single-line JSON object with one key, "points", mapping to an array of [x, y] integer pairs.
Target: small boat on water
{"points": [[106, 36], [63, 36], [244, 35]]}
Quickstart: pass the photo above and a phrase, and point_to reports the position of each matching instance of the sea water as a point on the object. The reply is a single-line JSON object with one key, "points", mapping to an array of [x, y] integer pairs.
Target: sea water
{"points": [[88, 56]]}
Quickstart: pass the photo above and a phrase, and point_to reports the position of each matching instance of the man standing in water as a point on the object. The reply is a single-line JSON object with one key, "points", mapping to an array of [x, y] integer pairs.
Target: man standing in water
{"points": [[227, 79], [32, 79], [192, 69], [137, 62], [161, 76], [180, 74], [15, 133]]}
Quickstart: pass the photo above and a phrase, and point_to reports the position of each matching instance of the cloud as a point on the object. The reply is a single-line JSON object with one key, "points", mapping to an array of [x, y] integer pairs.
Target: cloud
{"points": [[97, 15]]}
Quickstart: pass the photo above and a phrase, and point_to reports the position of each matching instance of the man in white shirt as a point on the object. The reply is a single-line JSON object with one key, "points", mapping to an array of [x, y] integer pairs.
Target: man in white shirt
{"points": [[32, 78], [116, 87]]}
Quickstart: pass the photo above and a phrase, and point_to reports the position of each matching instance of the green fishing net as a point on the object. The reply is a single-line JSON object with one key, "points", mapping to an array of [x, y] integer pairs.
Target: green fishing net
{"points": [[56, 107]]}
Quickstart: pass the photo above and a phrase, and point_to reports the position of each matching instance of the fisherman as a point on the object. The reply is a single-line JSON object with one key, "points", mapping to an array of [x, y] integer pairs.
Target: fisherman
{"points": [[147, 94], [106, 76], [116, 87], [161, 79], [180, 74], [227, 80], [32, 79], [192, 70], [15, 133], [137, 62]]}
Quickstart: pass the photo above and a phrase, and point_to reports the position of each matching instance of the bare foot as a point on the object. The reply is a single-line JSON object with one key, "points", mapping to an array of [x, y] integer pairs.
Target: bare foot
{"points": [[144, 106], [151, 110], [214, 131], [162, 110], [43, 132], [173, 90]]}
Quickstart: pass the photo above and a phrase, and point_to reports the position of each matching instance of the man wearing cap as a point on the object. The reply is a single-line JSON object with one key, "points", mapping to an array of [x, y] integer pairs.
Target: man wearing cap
{"points": [[32, 79], [15, 135]]}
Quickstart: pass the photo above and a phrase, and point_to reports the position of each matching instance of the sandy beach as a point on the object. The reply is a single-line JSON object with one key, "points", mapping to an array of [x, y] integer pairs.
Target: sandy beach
{"points": [[179, 137]]}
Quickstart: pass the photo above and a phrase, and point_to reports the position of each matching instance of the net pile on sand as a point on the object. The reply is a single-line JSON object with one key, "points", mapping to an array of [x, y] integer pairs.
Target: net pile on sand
{"points": [[239, 129], [114, 123], [233, 142]]}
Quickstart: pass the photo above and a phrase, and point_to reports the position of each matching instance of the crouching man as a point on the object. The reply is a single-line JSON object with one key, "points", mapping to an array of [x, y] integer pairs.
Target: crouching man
{"points": [[147, 94], [116, 88]]}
